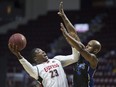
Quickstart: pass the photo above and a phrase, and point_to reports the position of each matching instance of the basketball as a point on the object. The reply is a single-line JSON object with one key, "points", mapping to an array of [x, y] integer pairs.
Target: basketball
{"points": [[19, 40]]}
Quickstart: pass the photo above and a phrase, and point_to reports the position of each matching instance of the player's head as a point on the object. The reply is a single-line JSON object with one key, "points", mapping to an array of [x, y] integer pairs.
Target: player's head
{"points": [[93, 46], [39, 55]]}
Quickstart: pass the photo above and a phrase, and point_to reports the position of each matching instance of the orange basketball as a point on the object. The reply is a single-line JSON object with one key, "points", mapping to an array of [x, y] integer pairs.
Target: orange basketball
{"points": [[19, 40]]}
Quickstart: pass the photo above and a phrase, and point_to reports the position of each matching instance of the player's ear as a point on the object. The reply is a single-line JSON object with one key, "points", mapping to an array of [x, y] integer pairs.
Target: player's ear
{"points": [[34, 58], [95, 51]]}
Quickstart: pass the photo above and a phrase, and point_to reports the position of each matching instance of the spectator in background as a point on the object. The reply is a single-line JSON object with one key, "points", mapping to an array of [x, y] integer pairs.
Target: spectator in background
{"points": [[114, 66]]}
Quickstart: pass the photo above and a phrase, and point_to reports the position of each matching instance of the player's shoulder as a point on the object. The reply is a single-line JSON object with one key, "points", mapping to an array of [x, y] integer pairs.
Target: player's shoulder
{"points": [[54, 60], [57, 58]]}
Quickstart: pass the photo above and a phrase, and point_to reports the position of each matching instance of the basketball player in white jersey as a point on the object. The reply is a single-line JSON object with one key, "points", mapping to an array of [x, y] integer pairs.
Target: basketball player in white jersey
{"points": [[50, 70]]}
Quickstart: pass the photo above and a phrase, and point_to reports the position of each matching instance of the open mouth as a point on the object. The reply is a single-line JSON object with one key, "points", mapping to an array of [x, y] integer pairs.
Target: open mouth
{"points": [[45, 55]]}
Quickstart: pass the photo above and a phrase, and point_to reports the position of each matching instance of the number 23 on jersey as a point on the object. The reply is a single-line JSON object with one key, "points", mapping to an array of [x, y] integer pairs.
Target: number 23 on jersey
{"points": [[54, 73]]}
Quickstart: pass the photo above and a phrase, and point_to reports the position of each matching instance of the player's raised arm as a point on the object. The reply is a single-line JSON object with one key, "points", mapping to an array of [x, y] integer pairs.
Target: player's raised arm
{"points": [[68, 59], [80, 47], [68, 24], [71, 40], [31, 70]]}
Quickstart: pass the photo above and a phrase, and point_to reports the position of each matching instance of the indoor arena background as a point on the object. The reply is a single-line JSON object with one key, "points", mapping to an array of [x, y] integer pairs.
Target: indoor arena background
{"points": [[39, 22]]}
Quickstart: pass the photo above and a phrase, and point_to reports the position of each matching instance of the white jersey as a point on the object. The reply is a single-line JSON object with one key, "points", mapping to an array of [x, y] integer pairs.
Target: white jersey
{"points": [[52, 74]]}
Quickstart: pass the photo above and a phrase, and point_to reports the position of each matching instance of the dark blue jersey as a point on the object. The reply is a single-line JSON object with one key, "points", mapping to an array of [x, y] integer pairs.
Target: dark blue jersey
{"points": [[83, 74]]}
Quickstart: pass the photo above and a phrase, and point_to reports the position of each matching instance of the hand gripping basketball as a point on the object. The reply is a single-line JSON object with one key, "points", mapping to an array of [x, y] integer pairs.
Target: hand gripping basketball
{"points": [[19, 40]]}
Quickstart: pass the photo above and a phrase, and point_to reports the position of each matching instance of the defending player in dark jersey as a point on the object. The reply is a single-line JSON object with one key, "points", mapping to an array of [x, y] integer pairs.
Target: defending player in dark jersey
{"points": [[83, 74], [84, 69]]}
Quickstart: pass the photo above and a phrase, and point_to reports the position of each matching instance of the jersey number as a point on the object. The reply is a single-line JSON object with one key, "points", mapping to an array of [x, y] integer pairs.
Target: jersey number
{"points": [[54, 73]]}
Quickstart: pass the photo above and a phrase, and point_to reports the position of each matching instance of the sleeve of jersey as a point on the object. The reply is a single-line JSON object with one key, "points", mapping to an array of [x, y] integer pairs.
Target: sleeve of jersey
{"points": [[30, 69], [69, 59]]}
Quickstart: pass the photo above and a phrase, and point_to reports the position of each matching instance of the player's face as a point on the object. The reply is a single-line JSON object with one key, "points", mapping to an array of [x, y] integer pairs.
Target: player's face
{"points": [[40, 56], [90, 47]]}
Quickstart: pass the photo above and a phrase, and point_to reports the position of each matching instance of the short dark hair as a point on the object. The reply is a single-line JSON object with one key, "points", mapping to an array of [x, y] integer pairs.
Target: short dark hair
{"points": [[33, 52]]}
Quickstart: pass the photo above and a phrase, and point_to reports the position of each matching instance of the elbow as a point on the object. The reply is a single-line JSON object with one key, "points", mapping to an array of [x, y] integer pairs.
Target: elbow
{"points": [[33, 76], [76, 57]]}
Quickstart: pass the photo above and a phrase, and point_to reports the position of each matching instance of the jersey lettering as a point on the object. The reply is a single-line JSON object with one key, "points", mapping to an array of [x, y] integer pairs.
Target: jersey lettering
{"points": [[50, 67]]}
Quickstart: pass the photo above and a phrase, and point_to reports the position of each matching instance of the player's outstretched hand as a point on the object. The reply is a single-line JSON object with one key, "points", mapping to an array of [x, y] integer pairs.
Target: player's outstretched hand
{"points": [[14, 49], [61, 11]]}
